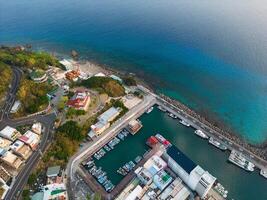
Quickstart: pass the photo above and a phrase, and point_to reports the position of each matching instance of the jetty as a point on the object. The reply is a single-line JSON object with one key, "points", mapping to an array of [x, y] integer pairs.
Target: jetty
{"points": [[252, 154]]}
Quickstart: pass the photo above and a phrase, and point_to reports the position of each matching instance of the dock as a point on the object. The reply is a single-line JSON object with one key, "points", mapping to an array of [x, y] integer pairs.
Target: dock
{"points": [[199, 123]]}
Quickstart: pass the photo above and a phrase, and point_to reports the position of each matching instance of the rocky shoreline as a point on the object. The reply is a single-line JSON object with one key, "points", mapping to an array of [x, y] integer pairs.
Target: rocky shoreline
{"points": [[259, 150]]}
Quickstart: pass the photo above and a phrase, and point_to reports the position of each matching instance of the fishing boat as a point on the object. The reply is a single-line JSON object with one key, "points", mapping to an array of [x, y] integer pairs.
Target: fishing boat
{"points": [[184, 123], [263, 173], [217, 144], [172, 116], [162, 109], [150, 110], [138, 159], [201, 134], [239, 160]]}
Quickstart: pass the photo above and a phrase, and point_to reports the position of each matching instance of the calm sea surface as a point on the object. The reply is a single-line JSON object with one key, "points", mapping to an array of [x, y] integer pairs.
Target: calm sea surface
{"points": [[210, 54], [241, 185]]}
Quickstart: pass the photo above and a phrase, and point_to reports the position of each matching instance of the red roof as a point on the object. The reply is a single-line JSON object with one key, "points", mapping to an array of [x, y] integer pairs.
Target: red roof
{"points": [[152, 141]]}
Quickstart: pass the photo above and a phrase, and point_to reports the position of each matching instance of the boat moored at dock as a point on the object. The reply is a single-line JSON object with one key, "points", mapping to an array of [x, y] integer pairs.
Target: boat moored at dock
{"points": [[162, 109], [263, 173], [217, 144], [184, 123], [201, 134], [149, 110], [172, 115], [239, 160]]}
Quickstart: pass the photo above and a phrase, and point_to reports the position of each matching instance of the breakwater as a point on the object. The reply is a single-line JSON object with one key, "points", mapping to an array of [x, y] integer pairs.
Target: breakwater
{"points": [[260, 151]]}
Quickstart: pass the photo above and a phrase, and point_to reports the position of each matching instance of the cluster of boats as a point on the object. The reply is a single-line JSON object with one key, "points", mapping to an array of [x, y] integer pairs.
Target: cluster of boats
{"points": [[221, 190], [111, 144], [99, 175], [124, 133], [239, 160], [125, 169]]}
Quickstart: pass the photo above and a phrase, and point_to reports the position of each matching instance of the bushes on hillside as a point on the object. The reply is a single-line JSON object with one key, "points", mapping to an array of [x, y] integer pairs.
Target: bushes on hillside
{"points": [[105, 85]]}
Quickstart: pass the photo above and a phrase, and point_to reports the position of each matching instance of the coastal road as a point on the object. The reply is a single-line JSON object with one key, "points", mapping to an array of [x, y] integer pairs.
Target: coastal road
{"points": [[11, 95], [107, 135], [47, 122]]}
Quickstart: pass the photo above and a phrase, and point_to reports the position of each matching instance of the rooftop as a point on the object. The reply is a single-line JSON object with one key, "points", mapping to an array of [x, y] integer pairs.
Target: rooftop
{"points": [[108, 115], [178, 156], [52, 171], [4, 143], [9, 132]]}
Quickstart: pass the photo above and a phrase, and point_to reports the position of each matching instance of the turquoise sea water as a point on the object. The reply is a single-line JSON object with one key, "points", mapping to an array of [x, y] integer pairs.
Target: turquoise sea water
{"points": [[211, 55]]}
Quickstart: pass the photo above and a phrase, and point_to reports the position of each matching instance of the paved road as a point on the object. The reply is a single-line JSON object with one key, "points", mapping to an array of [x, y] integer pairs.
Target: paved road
{"points": [[107, 135], [47, 122]]}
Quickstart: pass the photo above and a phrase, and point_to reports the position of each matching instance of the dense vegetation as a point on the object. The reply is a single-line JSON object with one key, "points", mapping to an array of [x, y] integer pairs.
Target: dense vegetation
{"points": [[6, 76], [105, 85], [129, 81], [33, 96], [28, 59], [73, 112]]}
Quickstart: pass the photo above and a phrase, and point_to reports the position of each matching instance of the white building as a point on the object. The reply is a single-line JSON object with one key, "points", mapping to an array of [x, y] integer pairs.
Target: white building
{"points": [[193, 175], [10, 133], [109, 115], [37, 128]]}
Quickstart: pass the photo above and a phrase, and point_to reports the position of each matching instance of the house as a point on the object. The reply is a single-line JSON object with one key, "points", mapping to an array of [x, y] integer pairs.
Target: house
{"points": [[37, 128], [80, 100], [21, 149], [73, 75], [38, 76], [109, 115], [31, 139], [53, 171], [10, 133], [5, 143], [103, 121], [16, 106], [5, 175], [10, 159]]}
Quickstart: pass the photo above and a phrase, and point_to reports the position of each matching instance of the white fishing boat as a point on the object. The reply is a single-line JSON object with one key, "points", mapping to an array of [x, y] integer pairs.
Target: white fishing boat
{"points": [[201, 134]]}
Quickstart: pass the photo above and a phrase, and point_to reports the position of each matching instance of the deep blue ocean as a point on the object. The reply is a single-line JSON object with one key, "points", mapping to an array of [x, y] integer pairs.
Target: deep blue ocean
{"points": [[209, 54]]}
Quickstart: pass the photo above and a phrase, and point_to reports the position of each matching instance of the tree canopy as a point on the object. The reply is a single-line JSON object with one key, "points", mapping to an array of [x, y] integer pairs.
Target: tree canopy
{"points": [[105, 85]]}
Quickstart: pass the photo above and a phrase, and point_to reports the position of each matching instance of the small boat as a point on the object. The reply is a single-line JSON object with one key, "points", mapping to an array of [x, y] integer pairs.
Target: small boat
{"points": [[217, 144], [138, 159], [184, 123], [107, 148], [172, 116], [263, 173], [150, 110], [201, 134], [162, 109]]}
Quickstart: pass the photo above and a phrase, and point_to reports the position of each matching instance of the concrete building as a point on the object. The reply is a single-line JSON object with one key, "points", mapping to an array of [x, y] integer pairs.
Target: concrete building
{"points": [[31, 139], [134, 126], [193, 175], [68, 64], [16, 106], [155, 164], [80, 100], [98, 128], [162, 179], [21, 149], [109, 115], [37, 128], [53, 171], [135, 194], [10, 159], [10, 133], [4, 174], [5, 143], [52, 192], [38, 76], [103, 122], [176, 190]]}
